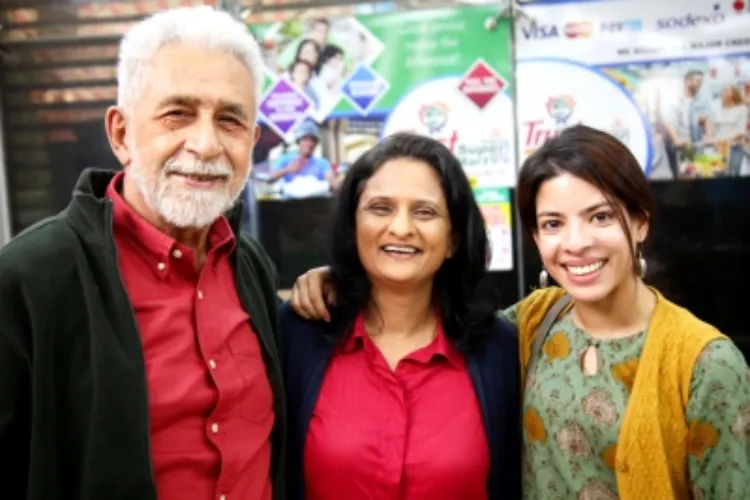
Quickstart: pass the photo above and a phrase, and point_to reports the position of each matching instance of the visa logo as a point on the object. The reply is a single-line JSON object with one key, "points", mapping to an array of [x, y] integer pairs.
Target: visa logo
{"points": [[628, 25], [539, 31]]}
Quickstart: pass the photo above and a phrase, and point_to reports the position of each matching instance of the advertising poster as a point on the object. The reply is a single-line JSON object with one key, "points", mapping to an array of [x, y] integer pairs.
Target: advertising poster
{"points": [[335, 87], [495, 206], [671, 79]]}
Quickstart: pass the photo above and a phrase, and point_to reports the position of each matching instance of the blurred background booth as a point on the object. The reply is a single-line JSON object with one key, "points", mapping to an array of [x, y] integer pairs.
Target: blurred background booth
{"points": [[491, 80]]}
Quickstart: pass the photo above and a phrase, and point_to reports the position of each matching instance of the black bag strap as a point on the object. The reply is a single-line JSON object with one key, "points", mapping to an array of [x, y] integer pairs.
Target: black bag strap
{"points": [[544, 327]]}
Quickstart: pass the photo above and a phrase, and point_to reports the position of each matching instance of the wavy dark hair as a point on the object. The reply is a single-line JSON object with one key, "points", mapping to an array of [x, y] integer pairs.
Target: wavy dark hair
{"points": [[466, 302], [329, 52], [301, 45], [597, 158]]}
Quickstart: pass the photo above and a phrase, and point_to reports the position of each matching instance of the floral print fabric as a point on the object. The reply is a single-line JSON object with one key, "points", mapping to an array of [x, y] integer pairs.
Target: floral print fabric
{"points": [[571, 420]]}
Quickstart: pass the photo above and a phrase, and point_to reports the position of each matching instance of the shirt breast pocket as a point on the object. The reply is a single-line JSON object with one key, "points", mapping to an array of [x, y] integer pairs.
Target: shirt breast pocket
{"points": [[254, 395]]}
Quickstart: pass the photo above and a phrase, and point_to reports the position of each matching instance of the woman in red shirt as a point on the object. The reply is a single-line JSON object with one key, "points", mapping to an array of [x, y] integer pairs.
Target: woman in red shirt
{"points": [[410, 392]]}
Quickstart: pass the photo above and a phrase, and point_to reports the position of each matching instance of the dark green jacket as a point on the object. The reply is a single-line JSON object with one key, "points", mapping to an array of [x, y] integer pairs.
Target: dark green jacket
{"points": [[74, 419]]}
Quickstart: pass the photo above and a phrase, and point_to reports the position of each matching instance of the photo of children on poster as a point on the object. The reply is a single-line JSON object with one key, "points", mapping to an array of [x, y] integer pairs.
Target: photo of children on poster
{"points": [[309, 59]]}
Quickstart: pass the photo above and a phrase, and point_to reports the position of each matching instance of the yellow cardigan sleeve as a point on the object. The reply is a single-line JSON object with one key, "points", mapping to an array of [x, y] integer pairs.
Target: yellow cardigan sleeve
{"points": [[530, 313]]}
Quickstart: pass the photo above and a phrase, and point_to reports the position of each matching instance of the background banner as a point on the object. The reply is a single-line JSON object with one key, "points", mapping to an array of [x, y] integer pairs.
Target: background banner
{"points": [[496, 208], [359, 78], [671, 79]]}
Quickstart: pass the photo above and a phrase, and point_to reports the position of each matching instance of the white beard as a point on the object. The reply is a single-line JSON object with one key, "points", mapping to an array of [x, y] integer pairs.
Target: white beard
{"points": [[182, 206]]}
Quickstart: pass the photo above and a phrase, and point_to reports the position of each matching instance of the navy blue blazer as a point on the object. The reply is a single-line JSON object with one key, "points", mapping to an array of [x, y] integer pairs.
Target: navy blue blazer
{"points": [[493, 366]]}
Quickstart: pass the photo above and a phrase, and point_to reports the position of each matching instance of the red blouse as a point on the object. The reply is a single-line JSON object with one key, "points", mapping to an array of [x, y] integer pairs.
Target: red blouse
{"points": [[413, 433]]}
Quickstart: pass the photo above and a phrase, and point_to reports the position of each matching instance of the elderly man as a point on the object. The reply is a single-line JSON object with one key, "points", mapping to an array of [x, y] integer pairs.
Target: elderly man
{"points": [[138, 331]]}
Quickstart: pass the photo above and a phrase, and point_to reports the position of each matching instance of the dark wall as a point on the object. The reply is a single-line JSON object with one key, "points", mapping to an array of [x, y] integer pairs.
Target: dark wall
{"points": [[295, 234]]}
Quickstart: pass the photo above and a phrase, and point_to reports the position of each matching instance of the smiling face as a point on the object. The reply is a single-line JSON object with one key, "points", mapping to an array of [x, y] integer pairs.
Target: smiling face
{"points": [[402, 224], [693, 83], [581, 242], [307, 145], [186, 143], [309, 53], [333, 70], [300, 74], [319, 32]]}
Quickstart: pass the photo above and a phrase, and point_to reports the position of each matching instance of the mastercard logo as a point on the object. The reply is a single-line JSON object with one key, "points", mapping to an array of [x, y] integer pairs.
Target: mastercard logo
{"points": [[582, 29]]}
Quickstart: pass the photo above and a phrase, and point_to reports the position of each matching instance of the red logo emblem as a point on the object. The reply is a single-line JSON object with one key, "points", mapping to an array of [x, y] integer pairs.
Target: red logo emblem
{"points": [[481, 84]]}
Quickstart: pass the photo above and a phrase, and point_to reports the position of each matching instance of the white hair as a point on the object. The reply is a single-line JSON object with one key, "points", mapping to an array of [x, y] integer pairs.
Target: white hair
{"points": [[202, 26]]}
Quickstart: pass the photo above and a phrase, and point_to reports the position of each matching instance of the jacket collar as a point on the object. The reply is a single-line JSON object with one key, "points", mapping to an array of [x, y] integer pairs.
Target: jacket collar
{"points": [[90, 211]]}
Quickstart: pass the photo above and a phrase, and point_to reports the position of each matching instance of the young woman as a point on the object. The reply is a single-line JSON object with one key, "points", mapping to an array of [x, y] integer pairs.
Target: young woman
{"points": [[627, 395], [731, 128], [308, 50], [329, 75], [411, 391]]}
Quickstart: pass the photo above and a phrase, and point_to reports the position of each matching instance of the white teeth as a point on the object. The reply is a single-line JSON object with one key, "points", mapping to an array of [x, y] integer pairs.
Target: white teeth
{"points": [[583, 270], [396, 249]]}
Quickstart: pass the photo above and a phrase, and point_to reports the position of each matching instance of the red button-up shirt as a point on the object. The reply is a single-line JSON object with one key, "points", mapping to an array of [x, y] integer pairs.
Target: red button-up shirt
{"points": [[210, 401], [415, 433]]}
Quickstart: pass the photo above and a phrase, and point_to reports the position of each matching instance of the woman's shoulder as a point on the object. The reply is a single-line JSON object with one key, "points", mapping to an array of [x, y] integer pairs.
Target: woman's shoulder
{"points": [[503, 328], [496, 356], [288, 316], [500, 339], [292, 325], [303, 341], [541, 298], [530, 311], [671, 317]]}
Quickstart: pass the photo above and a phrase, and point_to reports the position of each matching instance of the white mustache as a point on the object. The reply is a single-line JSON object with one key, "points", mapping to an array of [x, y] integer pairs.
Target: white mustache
{"points": [[210, 169]]}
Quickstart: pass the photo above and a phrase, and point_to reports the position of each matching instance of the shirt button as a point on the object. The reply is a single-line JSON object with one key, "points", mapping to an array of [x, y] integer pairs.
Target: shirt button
{"points": [[177, 253], [212, 364], [200, 295], [161, 266], [215, 428]]}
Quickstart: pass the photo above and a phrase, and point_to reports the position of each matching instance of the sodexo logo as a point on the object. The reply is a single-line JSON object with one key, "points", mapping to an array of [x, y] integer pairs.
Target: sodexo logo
{"points": [[692, 20]]}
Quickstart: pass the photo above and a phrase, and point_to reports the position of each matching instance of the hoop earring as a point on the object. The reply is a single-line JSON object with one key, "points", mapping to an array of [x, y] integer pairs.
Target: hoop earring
{"points": [[543, 279], [642, 266]]}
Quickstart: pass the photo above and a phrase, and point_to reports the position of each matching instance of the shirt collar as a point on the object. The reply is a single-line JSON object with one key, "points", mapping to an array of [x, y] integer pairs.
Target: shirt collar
{"points": [[154, 244], [355, 340], [440, 348]]}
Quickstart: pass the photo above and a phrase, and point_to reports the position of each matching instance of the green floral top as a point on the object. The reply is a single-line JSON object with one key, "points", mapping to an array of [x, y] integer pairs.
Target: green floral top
{"points": [[569, 447]]}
